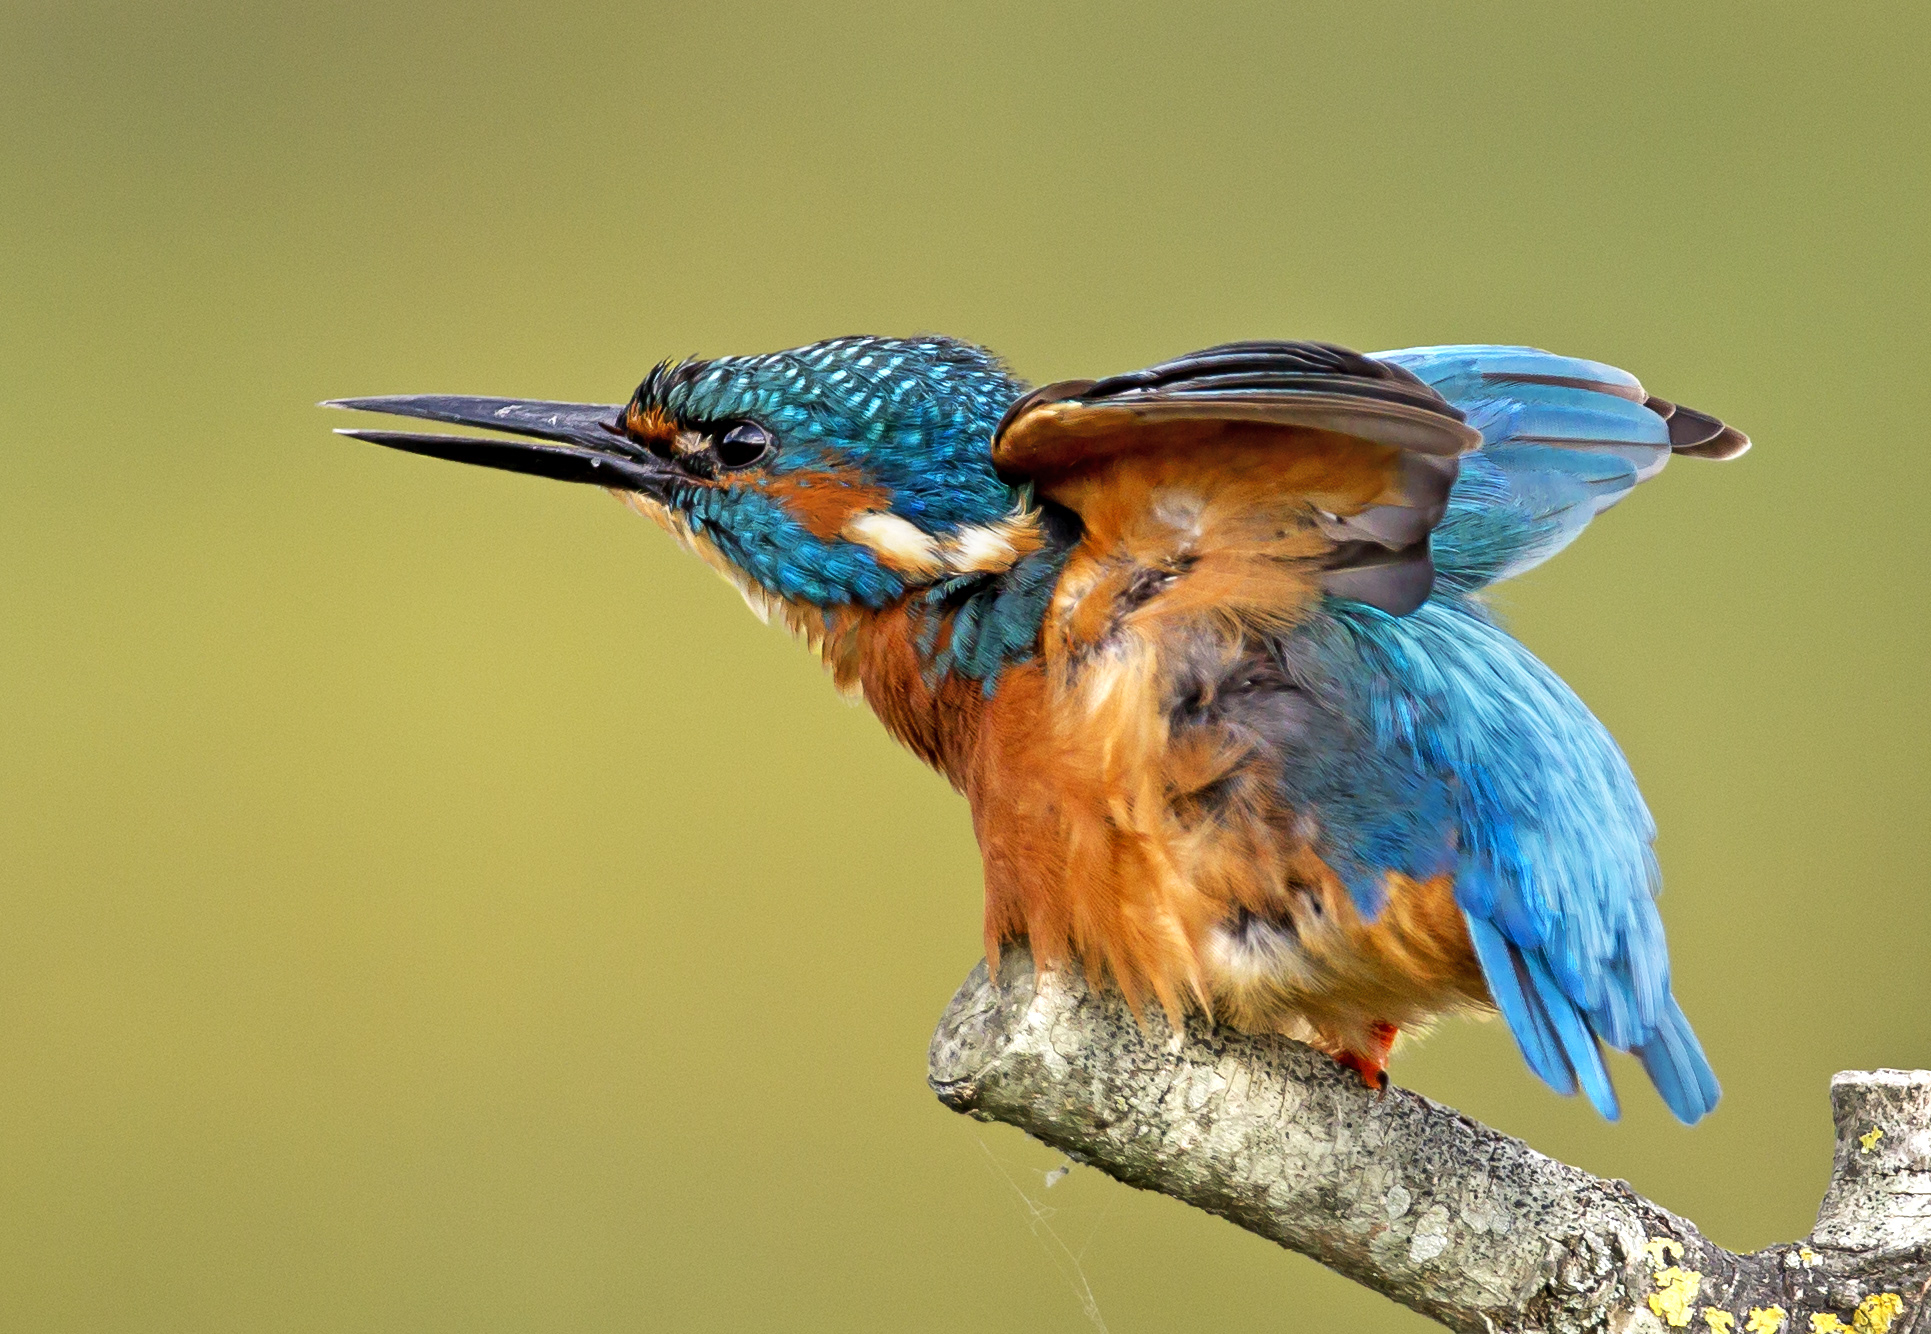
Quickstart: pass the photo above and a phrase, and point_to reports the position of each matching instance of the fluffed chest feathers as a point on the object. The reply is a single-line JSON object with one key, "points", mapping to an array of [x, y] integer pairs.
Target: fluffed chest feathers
{"points": [[1129, 793]]}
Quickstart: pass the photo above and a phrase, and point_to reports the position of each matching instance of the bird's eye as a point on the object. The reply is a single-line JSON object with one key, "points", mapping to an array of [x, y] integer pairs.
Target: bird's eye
{"points": [[743, 445]]}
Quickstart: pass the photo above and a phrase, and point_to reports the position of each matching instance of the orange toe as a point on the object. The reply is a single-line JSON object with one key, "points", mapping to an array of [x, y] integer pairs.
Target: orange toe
{"points": [[1372, 1065]]}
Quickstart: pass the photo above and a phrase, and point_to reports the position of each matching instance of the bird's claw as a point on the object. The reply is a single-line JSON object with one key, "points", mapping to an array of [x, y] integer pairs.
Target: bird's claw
{"points": [[1372, 1065]]}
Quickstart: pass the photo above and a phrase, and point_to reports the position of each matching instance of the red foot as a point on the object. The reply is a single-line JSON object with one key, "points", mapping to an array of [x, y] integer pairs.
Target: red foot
{"points": [[1372, 1065]]}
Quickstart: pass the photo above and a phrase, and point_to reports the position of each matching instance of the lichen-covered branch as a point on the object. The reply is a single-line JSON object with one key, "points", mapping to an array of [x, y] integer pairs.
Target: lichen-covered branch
{"points": [[1419, 1202]]}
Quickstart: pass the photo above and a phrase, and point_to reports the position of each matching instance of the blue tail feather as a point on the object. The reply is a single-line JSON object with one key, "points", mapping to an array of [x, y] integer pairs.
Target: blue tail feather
{"points": [[1521, 1009], [1679, 1069], [1578, 1042]]}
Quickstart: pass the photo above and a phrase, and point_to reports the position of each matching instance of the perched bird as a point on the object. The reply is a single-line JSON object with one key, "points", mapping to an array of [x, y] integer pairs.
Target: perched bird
{"points": [[1203, 645]]}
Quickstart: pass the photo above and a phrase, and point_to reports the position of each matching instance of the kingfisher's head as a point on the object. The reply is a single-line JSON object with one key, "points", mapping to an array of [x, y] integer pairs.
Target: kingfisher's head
{"points": [[842, 473]]}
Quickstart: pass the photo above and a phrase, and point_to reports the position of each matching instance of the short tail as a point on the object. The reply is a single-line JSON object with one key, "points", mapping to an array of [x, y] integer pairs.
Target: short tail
{"points": [[1560, 1043]]}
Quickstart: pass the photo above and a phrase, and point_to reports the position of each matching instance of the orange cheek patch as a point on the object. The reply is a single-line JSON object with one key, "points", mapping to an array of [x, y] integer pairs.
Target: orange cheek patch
{"points": [[824, 502]]}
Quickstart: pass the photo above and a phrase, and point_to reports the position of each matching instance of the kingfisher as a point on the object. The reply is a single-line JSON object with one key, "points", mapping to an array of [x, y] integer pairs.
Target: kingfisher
{"points": [[1205, 649]]}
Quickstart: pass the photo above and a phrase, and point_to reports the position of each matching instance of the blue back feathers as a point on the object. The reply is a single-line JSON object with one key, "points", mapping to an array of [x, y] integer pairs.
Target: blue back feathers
{"points": [[1547, 834]]}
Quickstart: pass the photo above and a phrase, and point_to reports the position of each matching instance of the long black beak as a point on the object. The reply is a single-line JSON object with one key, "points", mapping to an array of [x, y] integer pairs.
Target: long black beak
{"points": [[587, 439]]}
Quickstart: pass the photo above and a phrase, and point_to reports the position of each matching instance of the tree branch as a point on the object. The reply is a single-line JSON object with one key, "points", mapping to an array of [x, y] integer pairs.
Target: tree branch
{"points": [[1419, 1202]]}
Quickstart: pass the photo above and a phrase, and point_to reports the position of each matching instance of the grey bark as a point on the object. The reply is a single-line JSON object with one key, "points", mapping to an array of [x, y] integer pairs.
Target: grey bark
{"points": [[1415, 1200]]}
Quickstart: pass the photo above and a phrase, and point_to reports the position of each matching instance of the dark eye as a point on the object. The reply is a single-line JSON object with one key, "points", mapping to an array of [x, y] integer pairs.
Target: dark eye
{"points": [[743, 445]]}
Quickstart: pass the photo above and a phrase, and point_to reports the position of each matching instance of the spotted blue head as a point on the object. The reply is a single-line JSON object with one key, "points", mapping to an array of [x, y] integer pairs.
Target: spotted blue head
{"points": [[843, 473]]}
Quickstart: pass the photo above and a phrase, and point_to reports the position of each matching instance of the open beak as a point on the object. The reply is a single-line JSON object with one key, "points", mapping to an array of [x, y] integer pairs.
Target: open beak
{"points": [[585, 441]]}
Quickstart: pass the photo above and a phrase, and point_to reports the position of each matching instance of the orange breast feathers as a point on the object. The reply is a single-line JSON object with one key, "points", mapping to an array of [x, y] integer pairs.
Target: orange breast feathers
{"points": [[1155, 850]]}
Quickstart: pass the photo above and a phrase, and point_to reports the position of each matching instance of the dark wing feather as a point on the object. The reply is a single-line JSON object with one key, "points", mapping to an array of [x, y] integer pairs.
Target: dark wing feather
{"points": [[1698, 434]]}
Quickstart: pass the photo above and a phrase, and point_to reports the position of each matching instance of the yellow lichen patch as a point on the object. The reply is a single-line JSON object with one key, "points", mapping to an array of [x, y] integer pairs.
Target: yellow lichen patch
{"points": [[1719, 1320], [1675, 1294], [1870, 1138], [1765, 1320], [1826, 1323], [1663, 1250], [1876, 1312], [1808, 1256]]}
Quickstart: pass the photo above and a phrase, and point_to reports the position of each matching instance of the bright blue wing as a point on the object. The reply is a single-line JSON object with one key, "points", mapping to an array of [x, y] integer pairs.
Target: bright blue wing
{"points": [[1461, 748], [1563, 439], [1552, 841]]}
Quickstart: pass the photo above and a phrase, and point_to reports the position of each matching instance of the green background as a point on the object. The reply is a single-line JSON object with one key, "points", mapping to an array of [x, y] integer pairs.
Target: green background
{"points": [[431, 903]]}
